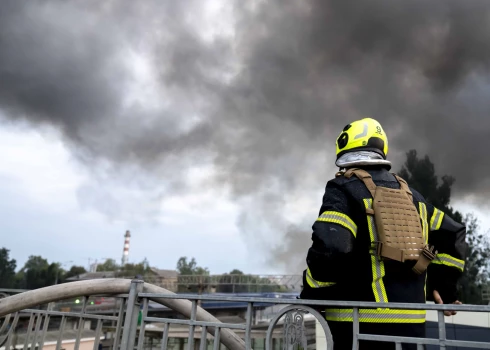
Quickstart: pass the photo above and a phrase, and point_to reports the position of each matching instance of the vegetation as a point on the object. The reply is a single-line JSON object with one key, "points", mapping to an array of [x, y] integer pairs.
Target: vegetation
{"points": [[421, 175]]}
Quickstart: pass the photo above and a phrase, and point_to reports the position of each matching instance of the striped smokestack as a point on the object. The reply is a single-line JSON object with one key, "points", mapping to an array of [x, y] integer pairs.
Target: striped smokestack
{"points": [[126, 248]]}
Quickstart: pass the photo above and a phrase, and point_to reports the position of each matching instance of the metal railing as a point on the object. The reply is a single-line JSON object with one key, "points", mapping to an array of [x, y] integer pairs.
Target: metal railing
{"points": [[134, 322], [486, 293], [119, 328], [261, 280], [230, 283], [5, 292]]}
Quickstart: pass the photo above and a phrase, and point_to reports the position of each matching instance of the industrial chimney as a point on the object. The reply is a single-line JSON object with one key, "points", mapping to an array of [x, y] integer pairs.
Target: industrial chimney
{"points": [[126, 248]]}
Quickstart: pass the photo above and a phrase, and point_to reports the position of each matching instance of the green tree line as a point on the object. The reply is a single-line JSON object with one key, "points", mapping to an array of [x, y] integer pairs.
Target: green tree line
{"points": [[37, 272]]}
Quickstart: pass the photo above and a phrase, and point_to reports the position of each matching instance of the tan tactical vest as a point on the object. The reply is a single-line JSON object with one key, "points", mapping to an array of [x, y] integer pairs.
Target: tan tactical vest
{"points": [[397, 221]]}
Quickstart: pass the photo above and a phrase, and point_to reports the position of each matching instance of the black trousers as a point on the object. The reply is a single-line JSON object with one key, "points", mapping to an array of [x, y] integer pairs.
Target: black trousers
{"points": [[342, 334]]}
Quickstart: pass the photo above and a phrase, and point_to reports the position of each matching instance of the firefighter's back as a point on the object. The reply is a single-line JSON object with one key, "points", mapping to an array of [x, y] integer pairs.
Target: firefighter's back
{"points": [[371, 278], [371, 243]]}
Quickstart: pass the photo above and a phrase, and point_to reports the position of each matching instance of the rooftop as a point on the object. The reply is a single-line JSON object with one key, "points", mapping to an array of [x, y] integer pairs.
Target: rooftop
{"points": [[92, 275]]}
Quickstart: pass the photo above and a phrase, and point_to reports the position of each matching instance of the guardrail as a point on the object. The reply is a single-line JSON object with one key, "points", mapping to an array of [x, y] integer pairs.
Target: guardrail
{"points": [[486, 293], [122, 332], [131, 324], [5, 292]]}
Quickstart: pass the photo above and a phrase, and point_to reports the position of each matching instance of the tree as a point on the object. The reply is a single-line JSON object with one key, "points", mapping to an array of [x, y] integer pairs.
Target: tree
{"points": [[37, 273], [108, 265], [74, 271], [477, 272], [185, 267], [134, 269], [238, 282], [229, 282], [7, 269], [420, 174]]}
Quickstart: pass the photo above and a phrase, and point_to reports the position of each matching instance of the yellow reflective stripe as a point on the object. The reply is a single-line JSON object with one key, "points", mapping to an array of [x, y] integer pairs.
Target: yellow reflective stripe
{"points": [[423, 217], [436, 219], [340, 219], [425, 231], [313, 283], [448, 260], [377, 265], [376, 315]]}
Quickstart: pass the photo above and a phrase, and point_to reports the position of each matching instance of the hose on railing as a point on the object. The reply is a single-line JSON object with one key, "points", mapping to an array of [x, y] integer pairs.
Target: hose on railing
{"points": [[112, 286]]}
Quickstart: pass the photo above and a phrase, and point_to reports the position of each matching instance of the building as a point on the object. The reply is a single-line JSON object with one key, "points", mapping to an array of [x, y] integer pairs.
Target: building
{"points": [[92, 276]]}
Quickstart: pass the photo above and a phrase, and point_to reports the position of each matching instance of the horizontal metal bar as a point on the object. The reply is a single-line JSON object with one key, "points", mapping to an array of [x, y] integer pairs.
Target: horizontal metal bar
{"points": [[394, 339], [251, 284], [427, 341], [108, 296], [120, 295], [71, 314], [195, 323], [330, 303], [468, 344]]}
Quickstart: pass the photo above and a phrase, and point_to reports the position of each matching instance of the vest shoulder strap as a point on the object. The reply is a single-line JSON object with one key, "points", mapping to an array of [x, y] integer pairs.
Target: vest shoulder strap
{"points": [[404, 186], [364, 176]]}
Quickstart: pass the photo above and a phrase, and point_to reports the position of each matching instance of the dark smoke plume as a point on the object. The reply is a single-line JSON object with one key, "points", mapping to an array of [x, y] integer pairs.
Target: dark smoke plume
{"points": [[261, 101]]}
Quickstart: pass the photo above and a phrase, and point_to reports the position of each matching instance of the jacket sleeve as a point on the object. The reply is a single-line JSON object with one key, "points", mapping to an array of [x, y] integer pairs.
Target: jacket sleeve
{"points": [[448, 238], [333, 238]]}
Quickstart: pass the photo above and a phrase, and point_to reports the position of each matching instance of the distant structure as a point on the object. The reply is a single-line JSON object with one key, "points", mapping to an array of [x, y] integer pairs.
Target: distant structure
{"points": [[93, 267], [126, 248]]}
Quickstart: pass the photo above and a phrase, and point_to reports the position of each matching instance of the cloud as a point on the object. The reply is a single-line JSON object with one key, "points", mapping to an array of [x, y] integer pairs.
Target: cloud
{"points": [[144, 91]]}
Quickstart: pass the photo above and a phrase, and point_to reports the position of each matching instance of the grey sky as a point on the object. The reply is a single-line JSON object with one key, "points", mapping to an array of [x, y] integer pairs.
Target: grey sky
{"points": [[40, 214], [144, 92]]}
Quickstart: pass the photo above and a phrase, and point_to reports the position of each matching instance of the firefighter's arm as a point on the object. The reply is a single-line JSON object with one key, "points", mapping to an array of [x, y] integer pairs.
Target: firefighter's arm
{"points": [[333, 237], [448, 238]]}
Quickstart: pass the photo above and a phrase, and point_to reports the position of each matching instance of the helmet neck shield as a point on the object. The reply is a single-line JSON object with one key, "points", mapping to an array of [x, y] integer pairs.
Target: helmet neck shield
{"points": [[361, 158]]}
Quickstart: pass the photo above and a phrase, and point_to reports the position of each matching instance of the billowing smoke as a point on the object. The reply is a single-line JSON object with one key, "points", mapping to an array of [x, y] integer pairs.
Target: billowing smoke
{"points": [[251, 93]]}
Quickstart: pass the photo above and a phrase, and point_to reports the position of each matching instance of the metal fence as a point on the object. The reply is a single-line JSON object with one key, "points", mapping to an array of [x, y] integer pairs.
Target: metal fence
{"points": [[231, 283], [486, 293], [128, 321]]}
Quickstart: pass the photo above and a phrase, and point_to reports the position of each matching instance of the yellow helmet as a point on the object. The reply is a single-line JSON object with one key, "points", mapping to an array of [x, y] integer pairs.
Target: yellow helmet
{"points": [[363, 135]]}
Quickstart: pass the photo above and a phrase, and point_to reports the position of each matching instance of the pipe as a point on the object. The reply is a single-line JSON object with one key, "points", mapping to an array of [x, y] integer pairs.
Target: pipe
{"points": [[184, 307], [58, 292]]}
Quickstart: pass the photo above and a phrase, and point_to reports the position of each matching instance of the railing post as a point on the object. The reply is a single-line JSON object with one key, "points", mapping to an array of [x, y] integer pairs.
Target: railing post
{"points": [[131, 320], [248, 330], [355, 330], [442, 330]]}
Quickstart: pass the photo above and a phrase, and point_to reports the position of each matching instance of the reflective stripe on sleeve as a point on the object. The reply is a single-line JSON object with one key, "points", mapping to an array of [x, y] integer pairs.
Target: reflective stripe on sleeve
{"points": [[425, 231], [314, 283], [377, 265], [436, 219], [423, 216], [376, 315], [448, 260], [340, 219]]}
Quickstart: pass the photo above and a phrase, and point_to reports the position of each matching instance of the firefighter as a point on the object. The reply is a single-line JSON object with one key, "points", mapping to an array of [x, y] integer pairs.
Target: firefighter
{"points": [[401, 249]]}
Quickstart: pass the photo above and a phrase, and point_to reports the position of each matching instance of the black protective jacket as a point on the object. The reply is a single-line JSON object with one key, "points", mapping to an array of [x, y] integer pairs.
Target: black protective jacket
{"points": [[341, 267]]}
